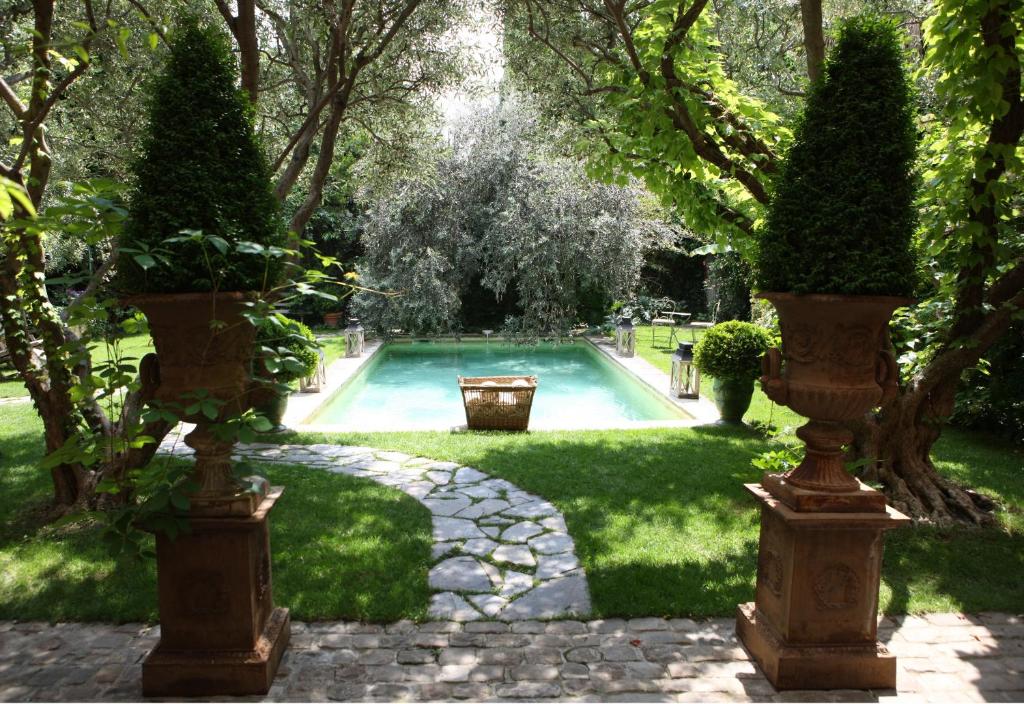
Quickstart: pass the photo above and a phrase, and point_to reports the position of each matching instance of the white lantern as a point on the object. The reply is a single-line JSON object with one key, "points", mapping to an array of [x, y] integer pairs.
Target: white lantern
{"points": [[685, 377], [625, 338], [355, 338]]}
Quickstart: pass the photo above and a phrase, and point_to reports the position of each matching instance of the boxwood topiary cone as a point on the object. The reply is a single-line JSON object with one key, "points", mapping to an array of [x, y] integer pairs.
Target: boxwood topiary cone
{"points": [[200, 168], [842, 216]]}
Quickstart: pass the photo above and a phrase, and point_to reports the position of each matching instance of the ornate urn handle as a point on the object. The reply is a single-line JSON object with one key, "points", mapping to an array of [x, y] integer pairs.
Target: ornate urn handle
{"points": [[887, 374], [772, 382]]}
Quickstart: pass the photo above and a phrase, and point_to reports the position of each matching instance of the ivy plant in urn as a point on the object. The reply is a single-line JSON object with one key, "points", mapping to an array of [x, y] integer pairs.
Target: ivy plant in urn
{"points": [[835, 255]]}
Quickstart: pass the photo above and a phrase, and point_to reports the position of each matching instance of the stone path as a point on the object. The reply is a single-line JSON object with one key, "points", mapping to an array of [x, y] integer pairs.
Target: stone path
{"points": [[11, 400], [499, 552], [942, 658]]}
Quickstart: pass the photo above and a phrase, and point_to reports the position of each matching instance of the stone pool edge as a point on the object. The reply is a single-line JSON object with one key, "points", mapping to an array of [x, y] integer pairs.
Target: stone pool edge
{"points": [[303, 406], [702, 410]]}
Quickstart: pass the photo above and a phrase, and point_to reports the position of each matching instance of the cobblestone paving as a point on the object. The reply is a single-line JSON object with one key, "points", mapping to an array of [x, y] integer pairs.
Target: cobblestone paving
{"points": [[943, 658], [499, 552]]}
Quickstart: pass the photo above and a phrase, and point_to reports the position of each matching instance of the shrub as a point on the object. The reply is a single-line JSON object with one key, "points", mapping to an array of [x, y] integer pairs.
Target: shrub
{"points": [[294, 345], [732, 350], [200, 169], [842, 215]]}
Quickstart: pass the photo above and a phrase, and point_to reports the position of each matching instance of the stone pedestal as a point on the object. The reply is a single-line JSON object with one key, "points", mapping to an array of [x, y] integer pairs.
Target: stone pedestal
{"points": [[219, 631], [814, 623]]}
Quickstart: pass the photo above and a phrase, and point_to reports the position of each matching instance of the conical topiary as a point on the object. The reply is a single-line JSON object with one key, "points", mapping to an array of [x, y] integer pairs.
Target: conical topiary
{"points": [[201, 169], [842, 216]]}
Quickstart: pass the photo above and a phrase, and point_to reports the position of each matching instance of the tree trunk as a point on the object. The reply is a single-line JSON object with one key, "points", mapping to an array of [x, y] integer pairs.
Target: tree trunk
{"points": [[814, 37], [900, 439]]}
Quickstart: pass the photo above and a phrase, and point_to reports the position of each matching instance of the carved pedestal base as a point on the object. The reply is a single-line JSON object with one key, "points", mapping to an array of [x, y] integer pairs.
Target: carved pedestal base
{"points": [[814, 624], [219, 631], [868, 666]]}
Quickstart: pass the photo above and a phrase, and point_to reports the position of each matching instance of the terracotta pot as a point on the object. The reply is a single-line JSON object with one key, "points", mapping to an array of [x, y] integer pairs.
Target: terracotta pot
{"points": [[834, 366], [732, 397], [331, 320], [202, 342]]}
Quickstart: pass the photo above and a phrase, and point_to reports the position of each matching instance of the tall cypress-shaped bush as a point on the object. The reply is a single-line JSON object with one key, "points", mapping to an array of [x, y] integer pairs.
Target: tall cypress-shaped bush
{"points": [[842, 216], [201, 168]]}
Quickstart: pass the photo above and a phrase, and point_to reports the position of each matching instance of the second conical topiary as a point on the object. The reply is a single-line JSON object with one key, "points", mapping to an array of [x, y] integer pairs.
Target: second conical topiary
{"points": [[842, 217], [200, 170]]}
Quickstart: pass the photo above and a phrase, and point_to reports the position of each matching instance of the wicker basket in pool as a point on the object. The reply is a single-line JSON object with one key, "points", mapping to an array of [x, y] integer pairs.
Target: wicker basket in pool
{"points": [[497, 402]]}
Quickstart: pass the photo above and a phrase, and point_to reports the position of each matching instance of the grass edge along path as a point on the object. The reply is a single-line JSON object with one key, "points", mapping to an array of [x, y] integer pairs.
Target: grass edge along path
{"points": [[664, 527]]}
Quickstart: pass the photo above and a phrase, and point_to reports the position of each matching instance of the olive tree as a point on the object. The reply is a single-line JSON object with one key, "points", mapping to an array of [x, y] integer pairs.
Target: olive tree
{"points": [[505, 210]]}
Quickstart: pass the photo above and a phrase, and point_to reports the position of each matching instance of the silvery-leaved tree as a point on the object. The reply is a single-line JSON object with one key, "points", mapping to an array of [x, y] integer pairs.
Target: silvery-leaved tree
{"points": [[655, 97], [505, 210]]}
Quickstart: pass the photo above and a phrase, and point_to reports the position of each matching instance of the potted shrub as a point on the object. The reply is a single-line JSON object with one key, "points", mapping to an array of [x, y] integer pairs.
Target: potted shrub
{"points": [[202, 189], [286, 351], [731, 352], [835, 256]]}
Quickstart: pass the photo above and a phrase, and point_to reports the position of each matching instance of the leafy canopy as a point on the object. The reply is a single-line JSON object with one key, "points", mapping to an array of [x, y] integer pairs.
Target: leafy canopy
{"points": [[842, 216], [200, 170]]}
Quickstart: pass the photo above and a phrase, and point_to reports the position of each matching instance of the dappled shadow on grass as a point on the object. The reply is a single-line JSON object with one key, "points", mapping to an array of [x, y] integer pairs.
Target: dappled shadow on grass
{"points": [[660, 517], [952, 569], [343, 548], [684, 587], [348, 548]]}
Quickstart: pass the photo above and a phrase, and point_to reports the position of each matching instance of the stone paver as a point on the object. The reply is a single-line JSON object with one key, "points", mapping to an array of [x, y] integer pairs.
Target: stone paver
{"points": [[942, 658], [499, 552]]}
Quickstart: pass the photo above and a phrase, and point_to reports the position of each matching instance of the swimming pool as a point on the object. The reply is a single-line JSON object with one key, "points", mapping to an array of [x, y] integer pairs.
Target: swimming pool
{"points": [[414, 386]]}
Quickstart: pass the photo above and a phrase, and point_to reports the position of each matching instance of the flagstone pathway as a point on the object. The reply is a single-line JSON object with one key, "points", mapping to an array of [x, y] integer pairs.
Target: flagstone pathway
{"points": [[500, 552]]}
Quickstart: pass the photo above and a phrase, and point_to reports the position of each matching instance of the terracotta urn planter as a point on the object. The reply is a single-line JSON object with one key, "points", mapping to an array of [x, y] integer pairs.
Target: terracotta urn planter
{"points": [[220, 631], [835, 365], [203, 343], [331, 320]]}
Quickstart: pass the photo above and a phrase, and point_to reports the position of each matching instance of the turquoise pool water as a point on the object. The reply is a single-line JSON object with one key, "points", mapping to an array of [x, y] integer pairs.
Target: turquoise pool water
{"points": [[413, 386]]}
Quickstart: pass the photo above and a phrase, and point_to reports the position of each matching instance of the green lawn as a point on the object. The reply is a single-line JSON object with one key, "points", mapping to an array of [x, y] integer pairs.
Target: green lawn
{"points": [[664, 527], [10, 389], [660, 518], [334, 347], [343, 548]]}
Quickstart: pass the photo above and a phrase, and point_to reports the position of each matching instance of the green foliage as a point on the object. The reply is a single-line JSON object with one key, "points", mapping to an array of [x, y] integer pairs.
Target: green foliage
{"points": [[842, 216], [728, 287], [635, 121], [732, 350], [287, 348], [201, 170], [505, 216], [991, 397]]}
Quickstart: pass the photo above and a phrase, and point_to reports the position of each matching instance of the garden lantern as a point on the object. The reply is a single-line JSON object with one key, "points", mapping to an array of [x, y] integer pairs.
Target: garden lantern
{"points": [[355, 338], [685, 377], [625, 338]]}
